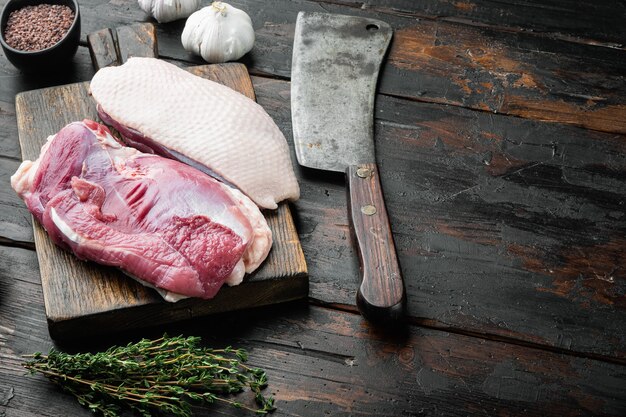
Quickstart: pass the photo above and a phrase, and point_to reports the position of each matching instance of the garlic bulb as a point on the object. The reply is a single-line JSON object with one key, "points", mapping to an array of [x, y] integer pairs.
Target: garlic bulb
{"points": [[169, 10], [218, 33]]}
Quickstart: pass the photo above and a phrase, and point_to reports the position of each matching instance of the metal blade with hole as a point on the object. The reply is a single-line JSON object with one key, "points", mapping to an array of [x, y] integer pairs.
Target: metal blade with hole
{"points": [[334, 72]]}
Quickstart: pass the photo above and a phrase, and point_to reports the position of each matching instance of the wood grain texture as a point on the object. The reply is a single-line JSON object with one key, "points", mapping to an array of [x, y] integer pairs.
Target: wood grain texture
{"points": [[111, 47], [560, 19], [503, 226], [381, 292], [85, 297], [322, 362], [594, 23], [136, 40], [103, 49], [15, 221], [479, 67], [8, 131], [508, 229], [232, 74], [474, 67], [487, 242]]}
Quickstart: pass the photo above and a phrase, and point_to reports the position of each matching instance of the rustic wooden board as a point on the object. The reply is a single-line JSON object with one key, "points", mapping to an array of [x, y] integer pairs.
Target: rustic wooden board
{"points": [[467, 259], [454, 246], [323, 362], [457, 250], [504, 227], [537, 73], [88, 298], [560, 19], [114, 46], [574, 21]]}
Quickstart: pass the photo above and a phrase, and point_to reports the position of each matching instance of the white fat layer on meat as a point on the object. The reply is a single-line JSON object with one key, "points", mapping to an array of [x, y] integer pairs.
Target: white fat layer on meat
{"points": [[22, 180], [168, 296], [236, 276], [64, 228], [107, 140], [262, 240], [171, 297]]}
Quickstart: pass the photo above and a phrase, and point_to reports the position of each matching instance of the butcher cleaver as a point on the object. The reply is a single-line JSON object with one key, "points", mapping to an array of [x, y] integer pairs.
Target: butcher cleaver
{"points": [[334, 72]]}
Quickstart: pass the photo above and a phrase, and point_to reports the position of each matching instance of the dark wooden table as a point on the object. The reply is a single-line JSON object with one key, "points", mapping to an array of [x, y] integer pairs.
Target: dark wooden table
{"points": [[501, 137]]}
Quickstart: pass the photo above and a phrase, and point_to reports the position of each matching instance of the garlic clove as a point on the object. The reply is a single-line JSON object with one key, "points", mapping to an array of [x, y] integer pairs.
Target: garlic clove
{"points": [[218, 33]]}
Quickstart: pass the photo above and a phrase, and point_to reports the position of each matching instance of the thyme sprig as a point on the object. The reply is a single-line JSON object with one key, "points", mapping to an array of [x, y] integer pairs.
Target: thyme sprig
{"points": [[168, 374]]}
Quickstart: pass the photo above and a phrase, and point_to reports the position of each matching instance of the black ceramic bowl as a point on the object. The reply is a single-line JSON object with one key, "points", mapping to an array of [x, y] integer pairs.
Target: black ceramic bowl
{"points": [[44, 60]]}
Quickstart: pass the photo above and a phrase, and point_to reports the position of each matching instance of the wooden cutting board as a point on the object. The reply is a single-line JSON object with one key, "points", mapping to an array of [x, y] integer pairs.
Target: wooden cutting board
{"points": [[84, 298]]}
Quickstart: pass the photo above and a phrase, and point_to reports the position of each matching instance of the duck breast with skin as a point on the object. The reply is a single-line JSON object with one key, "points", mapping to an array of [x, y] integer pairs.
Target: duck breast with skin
{"points": [[159, 220], [160, 108]]}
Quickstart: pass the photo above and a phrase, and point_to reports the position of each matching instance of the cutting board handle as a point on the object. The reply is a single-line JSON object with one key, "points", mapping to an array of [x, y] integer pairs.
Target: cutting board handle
{"points": [[381, 294]]}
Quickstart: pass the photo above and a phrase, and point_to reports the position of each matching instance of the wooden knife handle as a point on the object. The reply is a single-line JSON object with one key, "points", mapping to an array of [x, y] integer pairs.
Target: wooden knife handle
{"points": [[381, 295]]}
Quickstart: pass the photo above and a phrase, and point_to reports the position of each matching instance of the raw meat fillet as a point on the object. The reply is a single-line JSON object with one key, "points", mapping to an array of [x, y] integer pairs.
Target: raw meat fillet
{"points": [[172, 112], [161, 221]]}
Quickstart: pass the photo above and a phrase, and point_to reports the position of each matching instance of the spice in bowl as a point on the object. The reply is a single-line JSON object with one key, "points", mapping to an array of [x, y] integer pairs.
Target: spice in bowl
{"points": [[33, 28]]}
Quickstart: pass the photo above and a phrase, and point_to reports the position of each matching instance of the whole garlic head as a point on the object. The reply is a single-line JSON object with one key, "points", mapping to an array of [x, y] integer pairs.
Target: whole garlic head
{"points": [[218, 33], [168, 10]]}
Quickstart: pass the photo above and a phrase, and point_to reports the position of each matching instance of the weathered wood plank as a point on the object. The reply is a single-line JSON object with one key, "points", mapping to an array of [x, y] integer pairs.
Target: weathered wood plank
{"points": [[110, 47], [14, 81], [15, 220], [103, 49], [594, 23], [509, 74], [136, 40], [560, 19], [324, 362], [503, 225], [230, 74], [8, 131], [444, 62], [476, 223]]}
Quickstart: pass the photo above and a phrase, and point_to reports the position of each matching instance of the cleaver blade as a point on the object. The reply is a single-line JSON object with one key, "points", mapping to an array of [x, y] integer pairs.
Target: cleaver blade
{"points": [[335, 65]]}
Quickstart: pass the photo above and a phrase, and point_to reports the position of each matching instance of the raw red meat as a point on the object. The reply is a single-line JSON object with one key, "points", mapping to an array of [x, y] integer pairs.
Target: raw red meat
{"points": [[159, 220]]}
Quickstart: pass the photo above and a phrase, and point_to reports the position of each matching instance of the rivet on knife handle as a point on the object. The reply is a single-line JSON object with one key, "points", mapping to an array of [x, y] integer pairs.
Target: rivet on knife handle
{"points": [[381, 293]]}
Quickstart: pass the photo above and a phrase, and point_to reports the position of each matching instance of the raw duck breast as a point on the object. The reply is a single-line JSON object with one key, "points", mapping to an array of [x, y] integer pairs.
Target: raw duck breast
{"points": [[159, 220], [158, 107]]}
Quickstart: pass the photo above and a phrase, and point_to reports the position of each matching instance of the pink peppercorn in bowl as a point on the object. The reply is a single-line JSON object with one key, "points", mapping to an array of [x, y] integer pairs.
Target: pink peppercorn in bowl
{"points": [[40, 35]]}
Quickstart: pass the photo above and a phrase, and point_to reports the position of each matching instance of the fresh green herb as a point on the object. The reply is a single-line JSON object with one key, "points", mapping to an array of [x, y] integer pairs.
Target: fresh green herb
{"points": [[166, 375]]}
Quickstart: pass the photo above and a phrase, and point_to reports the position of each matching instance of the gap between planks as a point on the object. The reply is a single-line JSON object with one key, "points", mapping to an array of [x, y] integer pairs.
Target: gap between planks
{"points": [[439, 326], [474, 109]]}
